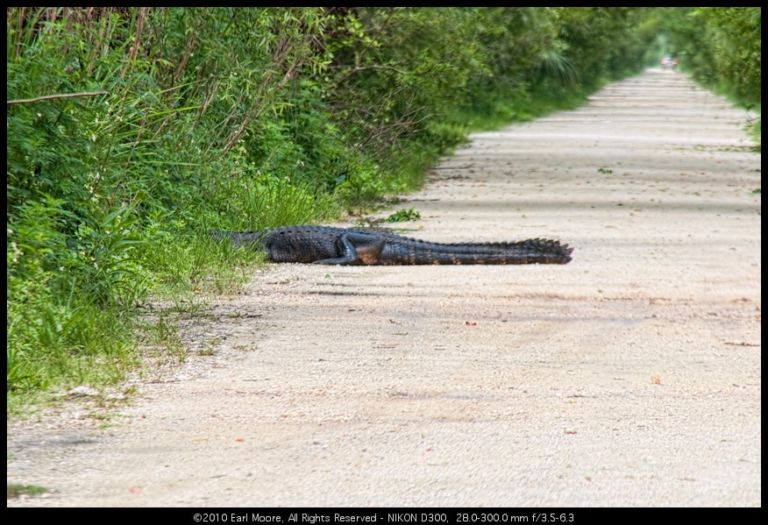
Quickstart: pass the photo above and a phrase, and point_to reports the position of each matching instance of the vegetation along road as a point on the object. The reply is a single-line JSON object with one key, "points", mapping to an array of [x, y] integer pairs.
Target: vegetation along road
{"points": [[630, 376]]}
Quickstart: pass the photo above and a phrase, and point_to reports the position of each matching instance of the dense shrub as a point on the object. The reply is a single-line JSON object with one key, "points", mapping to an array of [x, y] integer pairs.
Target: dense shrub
{"points": [[719, 46]]}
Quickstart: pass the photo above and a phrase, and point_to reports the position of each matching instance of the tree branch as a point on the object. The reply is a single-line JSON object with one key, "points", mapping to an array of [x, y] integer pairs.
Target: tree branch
{"points": [[58, 95]]}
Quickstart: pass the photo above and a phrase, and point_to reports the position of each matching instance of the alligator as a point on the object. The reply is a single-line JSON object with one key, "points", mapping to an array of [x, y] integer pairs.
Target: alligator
{"points": [[351, 246]]}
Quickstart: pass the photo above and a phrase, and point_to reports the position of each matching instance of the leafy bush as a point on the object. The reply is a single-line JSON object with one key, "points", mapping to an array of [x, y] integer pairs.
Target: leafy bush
{"points": [[720, 47]]}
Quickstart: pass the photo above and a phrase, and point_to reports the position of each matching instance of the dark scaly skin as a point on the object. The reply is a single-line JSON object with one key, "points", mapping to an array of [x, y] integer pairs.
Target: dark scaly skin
{"points": [[349, 246]]}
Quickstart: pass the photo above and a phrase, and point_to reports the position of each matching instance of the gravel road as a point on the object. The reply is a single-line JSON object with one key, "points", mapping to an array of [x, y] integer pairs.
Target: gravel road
{"points": [[630, 376]]}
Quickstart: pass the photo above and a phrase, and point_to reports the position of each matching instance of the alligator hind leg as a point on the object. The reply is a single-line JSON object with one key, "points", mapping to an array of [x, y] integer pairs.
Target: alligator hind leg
{"points": [[357, 248], [348, 253]]}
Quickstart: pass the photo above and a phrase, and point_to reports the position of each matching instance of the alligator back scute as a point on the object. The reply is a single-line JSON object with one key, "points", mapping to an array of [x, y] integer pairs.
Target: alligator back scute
{"points": [[302, 244]]}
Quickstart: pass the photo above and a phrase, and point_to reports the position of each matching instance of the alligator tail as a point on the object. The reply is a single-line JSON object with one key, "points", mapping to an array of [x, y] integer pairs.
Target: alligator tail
{"points": [[531, 251], [543, 251]]}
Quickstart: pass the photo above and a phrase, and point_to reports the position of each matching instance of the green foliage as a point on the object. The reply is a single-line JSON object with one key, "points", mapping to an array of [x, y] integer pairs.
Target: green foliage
{"points": [[401, 71], [404, 215], [543, 59], [108, 197], [241, 119], [14, 490], [719, 46], [756, 131]]}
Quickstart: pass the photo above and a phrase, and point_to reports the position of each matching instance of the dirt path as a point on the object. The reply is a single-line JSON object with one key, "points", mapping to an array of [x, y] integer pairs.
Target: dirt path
{"points": [[630, 376]]}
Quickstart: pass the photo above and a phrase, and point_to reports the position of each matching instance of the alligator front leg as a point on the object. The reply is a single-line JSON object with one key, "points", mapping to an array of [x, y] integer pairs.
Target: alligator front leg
{"points": [[357, 248]]}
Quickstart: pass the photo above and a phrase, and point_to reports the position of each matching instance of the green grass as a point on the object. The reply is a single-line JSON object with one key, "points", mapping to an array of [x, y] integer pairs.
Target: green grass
{"points": [[502, 110], [14, 490], [201, 265], [69, 345], [755, 131], [54, 345], [159, 338]]}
